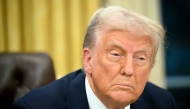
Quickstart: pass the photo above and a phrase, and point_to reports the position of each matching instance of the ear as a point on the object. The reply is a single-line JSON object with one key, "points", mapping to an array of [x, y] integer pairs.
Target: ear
{"points": [[86, 56]]}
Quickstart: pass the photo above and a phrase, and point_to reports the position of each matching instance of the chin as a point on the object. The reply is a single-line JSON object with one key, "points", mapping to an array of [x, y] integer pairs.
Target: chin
{"points": [[124, 98]]}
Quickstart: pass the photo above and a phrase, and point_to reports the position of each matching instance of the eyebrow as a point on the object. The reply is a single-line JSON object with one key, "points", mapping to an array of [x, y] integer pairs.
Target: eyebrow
{"points": [[115, 45], [144, 49]]}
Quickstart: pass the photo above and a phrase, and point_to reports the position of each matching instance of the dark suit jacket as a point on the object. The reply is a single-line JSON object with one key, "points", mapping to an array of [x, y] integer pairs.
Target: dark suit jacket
{"points": [[69, 93]]}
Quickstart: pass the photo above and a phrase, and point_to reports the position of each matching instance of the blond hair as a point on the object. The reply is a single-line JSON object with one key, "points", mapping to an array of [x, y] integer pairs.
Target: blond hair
{"points": [[117, 18]]}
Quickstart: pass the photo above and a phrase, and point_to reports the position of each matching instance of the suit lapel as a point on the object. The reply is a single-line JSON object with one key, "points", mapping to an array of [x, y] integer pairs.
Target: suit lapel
{"points": [[140, 103], [76, 98]]}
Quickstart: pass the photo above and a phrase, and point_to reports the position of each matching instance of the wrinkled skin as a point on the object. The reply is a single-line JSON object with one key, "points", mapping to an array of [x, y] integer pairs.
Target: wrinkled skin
{"points": [[118, 67]]}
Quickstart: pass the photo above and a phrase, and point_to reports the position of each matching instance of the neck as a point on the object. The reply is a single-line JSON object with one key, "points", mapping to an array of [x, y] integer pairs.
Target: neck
{"points": [[113, 105]]}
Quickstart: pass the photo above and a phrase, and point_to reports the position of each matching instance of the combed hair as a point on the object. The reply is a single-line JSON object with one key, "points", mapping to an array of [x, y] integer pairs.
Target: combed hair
{"points": [[117, 18]]}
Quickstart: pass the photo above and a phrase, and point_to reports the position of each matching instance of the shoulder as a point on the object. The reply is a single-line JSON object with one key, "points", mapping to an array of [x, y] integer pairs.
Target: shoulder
{"points": [[159, 97], [153, 90], [49, 96]]}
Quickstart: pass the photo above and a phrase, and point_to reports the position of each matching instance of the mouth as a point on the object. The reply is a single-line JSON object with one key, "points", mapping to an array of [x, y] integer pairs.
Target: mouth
{"points": [[124, 86]]}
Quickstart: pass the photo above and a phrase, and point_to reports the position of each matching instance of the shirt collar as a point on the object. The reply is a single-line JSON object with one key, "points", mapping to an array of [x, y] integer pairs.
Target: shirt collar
{"points": [[93, 101]]}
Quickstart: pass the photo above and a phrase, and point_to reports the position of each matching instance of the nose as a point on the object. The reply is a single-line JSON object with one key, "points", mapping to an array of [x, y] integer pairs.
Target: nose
{"points": [[128, 66]]}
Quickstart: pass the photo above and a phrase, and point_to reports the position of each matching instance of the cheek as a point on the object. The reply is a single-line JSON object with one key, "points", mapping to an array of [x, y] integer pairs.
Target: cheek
{"points": [[103, 73], [104, 67], [141, 77]]}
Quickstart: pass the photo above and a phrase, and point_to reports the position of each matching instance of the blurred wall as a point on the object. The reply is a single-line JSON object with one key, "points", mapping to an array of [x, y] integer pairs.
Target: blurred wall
{"points": [[53, 26], [58, 27], [150, 9]]}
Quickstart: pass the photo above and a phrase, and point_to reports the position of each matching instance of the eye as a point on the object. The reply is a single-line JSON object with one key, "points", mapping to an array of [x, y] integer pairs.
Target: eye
{"points": [[141, 60], [114, 56], [114, 53]]}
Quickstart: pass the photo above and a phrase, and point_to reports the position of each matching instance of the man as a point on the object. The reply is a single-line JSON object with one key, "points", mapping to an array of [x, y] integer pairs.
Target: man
{"points": [[118, 53]]}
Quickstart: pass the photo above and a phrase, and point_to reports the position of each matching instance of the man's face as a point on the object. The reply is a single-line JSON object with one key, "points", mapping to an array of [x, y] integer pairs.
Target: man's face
{"points": [[118, 67]]}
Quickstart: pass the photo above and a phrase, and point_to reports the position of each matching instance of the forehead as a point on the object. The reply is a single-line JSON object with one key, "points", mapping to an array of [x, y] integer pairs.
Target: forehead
{"points": [[126, 41]]}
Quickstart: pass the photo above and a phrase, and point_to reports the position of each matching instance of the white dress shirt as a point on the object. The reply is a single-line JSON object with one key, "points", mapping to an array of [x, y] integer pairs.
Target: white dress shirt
{"points": [[93, 101]]}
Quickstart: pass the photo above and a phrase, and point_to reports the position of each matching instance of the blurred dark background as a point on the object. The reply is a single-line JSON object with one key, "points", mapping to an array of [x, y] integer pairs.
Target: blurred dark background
{"points": [[176, 18]]}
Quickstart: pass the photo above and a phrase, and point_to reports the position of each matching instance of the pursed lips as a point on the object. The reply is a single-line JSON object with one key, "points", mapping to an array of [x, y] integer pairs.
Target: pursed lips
{"points": [[124, 85]]}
